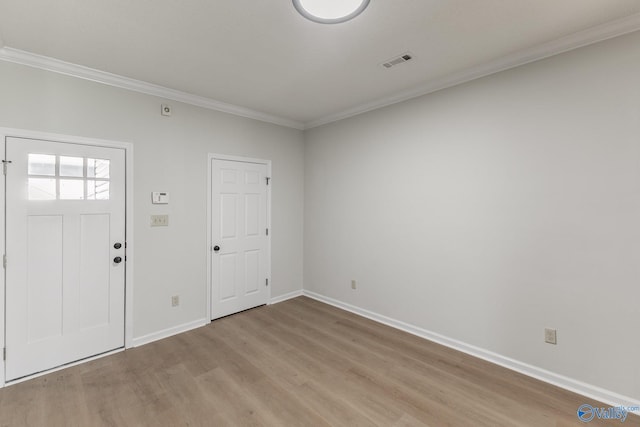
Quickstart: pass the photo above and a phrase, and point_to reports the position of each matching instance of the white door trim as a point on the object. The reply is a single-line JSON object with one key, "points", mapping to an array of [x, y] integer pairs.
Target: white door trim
{"points": [[46, 136], [210, 158]]}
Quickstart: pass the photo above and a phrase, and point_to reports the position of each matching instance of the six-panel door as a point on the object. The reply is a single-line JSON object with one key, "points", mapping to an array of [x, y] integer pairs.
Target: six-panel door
{"points": [[239, 231]]}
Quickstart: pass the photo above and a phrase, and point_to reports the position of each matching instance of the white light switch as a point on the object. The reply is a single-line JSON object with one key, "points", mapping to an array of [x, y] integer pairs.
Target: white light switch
{"points": [[159, 220], [160, 198]]}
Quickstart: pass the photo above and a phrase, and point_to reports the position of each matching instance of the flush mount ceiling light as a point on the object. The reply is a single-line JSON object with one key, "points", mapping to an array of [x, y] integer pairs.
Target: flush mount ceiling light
{"points": [[330, 11]]}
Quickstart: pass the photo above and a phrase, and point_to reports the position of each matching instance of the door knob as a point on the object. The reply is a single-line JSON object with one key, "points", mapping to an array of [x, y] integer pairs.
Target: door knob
{"points": [[117, 260], [117, 245], [216, 248]]}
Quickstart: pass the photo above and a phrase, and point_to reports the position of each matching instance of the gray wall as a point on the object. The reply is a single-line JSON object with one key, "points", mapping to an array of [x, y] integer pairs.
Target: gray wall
{"points": [[484, 212], [170, 153], [489, 211]]}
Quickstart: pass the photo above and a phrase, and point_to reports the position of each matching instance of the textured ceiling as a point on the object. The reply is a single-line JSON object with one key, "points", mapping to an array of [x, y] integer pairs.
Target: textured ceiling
{"points": [[264, 56]]}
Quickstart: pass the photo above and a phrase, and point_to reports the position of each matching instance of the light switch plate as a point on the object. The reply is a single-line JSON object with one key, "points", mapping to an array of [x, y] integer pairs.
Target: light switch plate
{"points": [[159, 220], [160, 198]]}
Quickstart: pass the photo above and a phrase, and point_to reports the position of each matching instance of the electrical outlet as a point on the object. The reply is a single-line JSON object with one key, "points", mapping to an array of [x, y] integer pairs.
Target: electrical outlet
{"points": [[175, 301], [353, 284], [159, 220], [550, 336]]}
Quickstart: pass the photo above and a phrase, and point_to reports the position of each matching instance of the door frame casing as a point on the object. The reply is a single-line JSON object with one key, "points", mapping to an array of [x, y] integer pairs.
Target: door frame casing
{"points": [[69, 139], [211, 157]]}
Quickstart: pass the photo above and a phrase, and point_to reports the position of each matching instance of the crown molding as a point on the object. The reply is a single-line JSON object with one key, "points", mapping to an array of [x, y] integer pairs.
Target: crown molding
{"points": [[57, 66], [586, 37]]}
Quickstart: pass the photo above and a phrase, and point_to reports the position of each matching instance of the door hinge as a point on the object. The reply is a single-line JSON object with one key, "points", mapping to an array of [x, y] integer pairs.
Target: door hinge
{"points": [[266, 282], [4, 261], [4, 166], [267, 231], [268, 179], [4, 353]]}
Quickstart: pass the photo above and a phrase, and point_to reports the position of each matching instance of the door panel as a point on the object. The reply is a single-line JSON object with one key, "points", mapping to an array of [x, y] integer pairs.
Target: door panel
{"points": [[252, 271], [44, 279], [227, 276], [228, 216], [94, 270], [239, 222], [252, 215], [64, 292]]}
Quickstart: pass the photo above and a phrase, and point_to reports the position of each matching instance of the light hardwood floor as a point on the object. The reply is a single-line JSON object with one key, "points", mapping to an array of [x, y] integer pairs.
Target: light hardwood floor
{"points": [[299, 362]]}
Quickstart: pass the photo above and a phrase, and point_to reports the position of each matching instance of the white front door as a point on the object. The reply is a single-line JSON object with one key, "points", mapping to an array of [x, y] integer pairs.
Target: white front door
{"points": [[65, 222], [240, 259]]}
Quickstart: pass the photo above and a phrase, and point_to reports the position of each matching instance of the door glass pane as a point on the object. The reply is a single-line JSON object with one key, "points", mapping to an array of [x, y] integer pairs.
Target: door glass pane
{"points": [[97, 168], [71, 166], [42, 189], [71, 189], [97, 190], [42, 164]]}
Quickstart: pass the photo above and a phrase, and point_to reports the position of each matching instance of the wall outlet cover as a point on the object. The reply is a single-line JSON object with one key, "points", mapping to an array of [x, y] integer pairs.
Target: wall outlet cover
{"points": [[550, 336]]}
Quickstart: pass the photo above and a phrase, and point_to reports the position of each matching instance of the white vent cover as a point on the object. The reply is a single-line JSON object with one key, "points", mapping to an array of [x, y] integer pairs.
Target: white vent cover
{"points": [[407, 56]]}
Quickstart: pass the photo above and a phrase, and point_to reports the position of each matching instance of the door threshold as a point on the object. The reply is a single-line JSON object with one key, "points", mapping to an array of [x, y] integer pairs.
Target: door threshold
{"points": [[61, 367], [238, 312]]}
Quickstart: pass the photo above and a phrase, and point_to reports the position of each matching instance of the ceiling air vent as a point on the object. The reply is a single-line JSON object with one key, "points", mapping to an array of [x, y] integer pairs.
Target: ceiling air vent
{"points": [[398, 60]]}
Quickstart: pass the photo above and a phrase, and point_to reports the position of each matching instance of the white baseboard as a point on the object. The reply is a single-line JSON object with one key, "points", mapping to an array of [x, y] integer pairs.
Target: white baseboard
{"points": [[166, 333], [588, 390], [285, 297]]}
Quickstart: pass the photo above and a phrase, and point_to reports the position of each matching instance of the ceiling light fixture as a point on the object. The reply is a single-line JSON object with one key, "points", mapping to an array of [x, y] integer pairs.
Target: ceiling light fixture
{"points": [[330, 11]]}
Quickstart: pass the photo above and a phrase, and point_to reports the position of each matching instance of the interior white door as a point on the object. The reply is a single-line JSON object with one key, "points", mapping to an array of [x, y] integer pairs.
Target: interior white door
{"points": [[65, 273], [240, 259]]}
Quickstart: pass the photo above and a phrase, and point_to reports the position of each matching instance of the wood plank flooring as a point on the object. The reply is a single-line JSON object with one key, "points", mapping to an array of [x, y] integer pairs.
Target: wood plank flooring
{"points": [[297, 363]]}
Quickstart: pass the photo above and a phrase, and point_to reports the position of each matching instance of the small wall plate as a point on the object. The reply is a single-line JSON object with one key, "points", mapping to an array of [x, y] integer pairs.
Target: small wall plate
{"points": [[160, 198]]}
